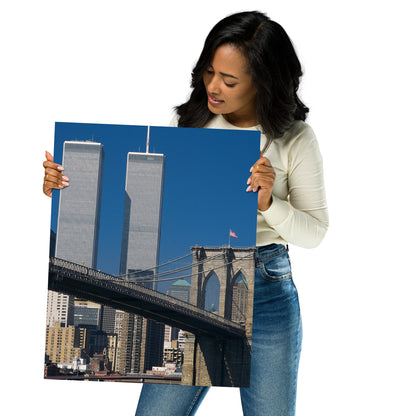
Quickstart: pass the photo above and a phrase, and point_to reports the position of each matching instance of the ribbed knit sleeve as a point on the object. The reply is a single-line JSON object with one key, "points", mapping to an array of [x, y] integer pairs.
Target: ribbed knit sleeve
{"points": [[301, 219]]}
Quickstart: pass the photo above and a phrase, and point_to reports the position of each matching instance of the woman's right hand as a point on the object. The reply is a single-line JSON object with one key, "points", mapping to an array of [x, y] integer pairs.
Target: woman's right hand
{"points": [[53, 179]]}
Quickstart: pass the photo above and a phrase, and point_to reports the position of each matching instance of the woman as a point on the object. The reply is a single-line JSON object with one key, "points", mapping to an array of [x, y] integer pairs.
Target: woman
{"points": [[247, 77]]}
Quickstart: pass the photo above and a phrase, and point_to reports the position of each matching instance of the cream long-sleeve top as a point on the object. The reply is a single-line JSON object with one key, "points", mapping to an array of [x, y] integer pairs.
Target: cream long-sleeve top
{"points": [[298, 214]]}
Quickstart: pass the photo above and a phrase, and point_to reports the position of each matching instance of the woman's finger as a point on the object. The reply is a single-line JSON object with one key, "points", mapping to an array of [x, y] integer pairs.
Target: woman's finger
{"points": [[53, 178]]}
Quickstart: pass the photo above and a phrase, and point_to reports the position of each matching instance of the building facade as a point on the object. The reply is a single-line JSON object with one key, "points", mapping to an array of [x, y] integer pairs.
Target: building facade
{"points": [[141, 340], [173, 349], [80, 203], [78, 218], [142, 216], [63, 344]]}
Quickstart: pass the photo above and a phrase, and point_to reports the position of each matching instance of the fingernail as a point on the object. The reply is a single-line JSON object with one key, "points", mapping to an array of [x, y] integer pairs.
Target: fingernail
{"points": [[65, 183], [248, 181], [60, 168], [65, 178], [248, 188], [251, 169]]}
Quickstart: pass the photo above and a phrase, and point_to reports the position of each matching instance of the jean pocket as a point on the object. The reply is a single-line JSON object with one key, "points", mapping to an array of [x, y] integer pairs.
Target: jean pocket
{"points": [[276, 268]]}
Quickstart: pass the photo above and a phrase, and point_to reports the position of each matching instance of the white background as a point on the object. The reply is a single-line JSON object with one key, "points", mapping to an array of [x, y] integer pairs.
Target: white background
{"points": [[130, 62]]}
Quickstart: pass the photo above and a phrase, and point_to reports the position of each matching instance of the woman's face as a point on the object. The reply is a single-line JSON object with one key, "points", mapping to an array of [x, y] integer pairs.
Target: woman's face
{"points": [[230, 88]]}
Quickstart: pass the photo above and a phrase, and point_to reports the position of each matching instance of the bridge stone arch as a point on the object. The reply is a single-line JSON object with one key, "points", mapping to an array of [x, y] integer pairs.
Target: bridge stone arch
{"points": [[209, 360], [228, 264], [211, 278]]}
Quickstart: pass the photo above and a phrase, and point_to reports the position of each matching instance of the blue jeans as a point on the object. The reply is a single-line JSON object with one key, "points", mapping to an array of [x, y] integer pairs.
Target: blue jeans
{"points": [[276, 344]]}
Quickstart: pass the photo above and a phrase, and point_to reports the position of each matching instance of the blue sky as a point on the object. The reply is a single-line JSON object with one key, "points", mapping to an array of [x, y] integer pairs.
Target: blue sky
{"points": [[204, 186]]}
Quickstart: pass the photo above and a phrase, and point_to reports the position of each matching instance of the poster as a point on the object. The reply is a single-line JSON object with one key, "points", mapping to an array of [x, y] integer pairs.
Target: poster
{"points": [[151, 269]]}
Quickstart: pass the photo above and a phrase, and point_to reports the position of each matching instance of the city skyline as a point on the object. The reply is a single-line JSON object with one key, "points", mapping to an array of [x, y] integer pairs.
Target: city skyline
{"points": [[155, 209]]}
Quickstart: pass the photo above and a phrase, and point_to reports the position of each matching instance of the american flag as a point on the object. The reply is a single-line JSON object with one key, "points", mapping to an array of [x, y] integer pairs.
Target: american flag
{"points": [[233, 234]]}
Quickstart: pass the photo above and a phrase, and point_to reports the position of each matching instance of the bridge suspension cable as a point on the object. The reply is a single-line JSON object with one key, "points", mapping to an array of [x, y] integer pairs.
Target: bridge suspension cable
{"points": [[172, 271], [160, 265], [155, 277], [179, 269]]}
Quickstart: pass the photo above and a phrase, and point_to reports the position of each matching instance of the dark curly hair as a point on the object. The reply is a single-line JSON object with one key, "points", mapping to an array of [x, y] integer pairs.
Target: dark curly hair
{"points": [[274, 67]]}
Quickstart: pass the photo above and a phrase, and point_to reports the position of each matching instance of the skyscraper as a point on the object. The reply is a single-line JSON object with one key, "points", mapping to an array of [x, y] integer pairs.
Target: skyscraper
{"points": [[140, 255], [142, 215], [240, 299], [180, 290], [78, 218], [80, 203]]}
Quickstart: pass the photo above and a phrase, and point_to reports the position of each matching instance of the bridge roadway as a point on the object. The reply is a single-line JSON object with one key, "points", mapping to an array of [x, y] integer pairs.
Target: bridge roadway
{"points": [[83, 282]]}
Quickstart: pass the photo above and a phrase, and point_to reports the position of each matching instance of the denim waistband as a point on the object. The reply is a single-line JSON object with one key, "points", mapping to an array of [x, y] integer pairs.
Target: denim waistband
{"points": [[270, 250]]}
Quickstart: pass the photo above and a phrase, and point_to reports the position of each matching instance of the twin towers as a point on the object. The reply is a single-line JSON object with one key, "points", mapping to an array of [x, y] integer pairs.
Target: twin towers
{"points": [[80, 203], [77, 241]]}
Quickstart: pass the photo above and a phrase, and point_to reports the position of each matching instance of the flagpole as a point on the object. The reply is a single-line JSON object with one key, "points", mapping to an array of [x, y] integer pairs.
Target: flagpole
{"points": [[229, 238]]}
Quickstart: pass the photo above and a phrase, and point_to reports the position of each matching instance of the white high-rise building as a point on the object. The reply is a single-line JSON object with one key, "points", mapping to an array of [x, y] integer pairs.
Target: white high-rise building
{"points": [[60, 308]]}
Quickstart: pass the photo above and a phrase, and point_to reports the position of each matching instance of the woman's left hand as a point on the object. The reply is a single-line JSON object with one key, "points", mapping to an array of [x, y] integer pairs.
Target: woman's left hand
{"points": [[261, 181]]}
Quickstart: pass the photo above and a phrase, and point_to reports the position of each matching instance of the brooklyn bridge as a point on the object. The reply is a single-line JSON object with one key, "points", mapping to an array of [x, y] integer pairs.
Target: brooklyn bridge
{"points": [[218, 347]]}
